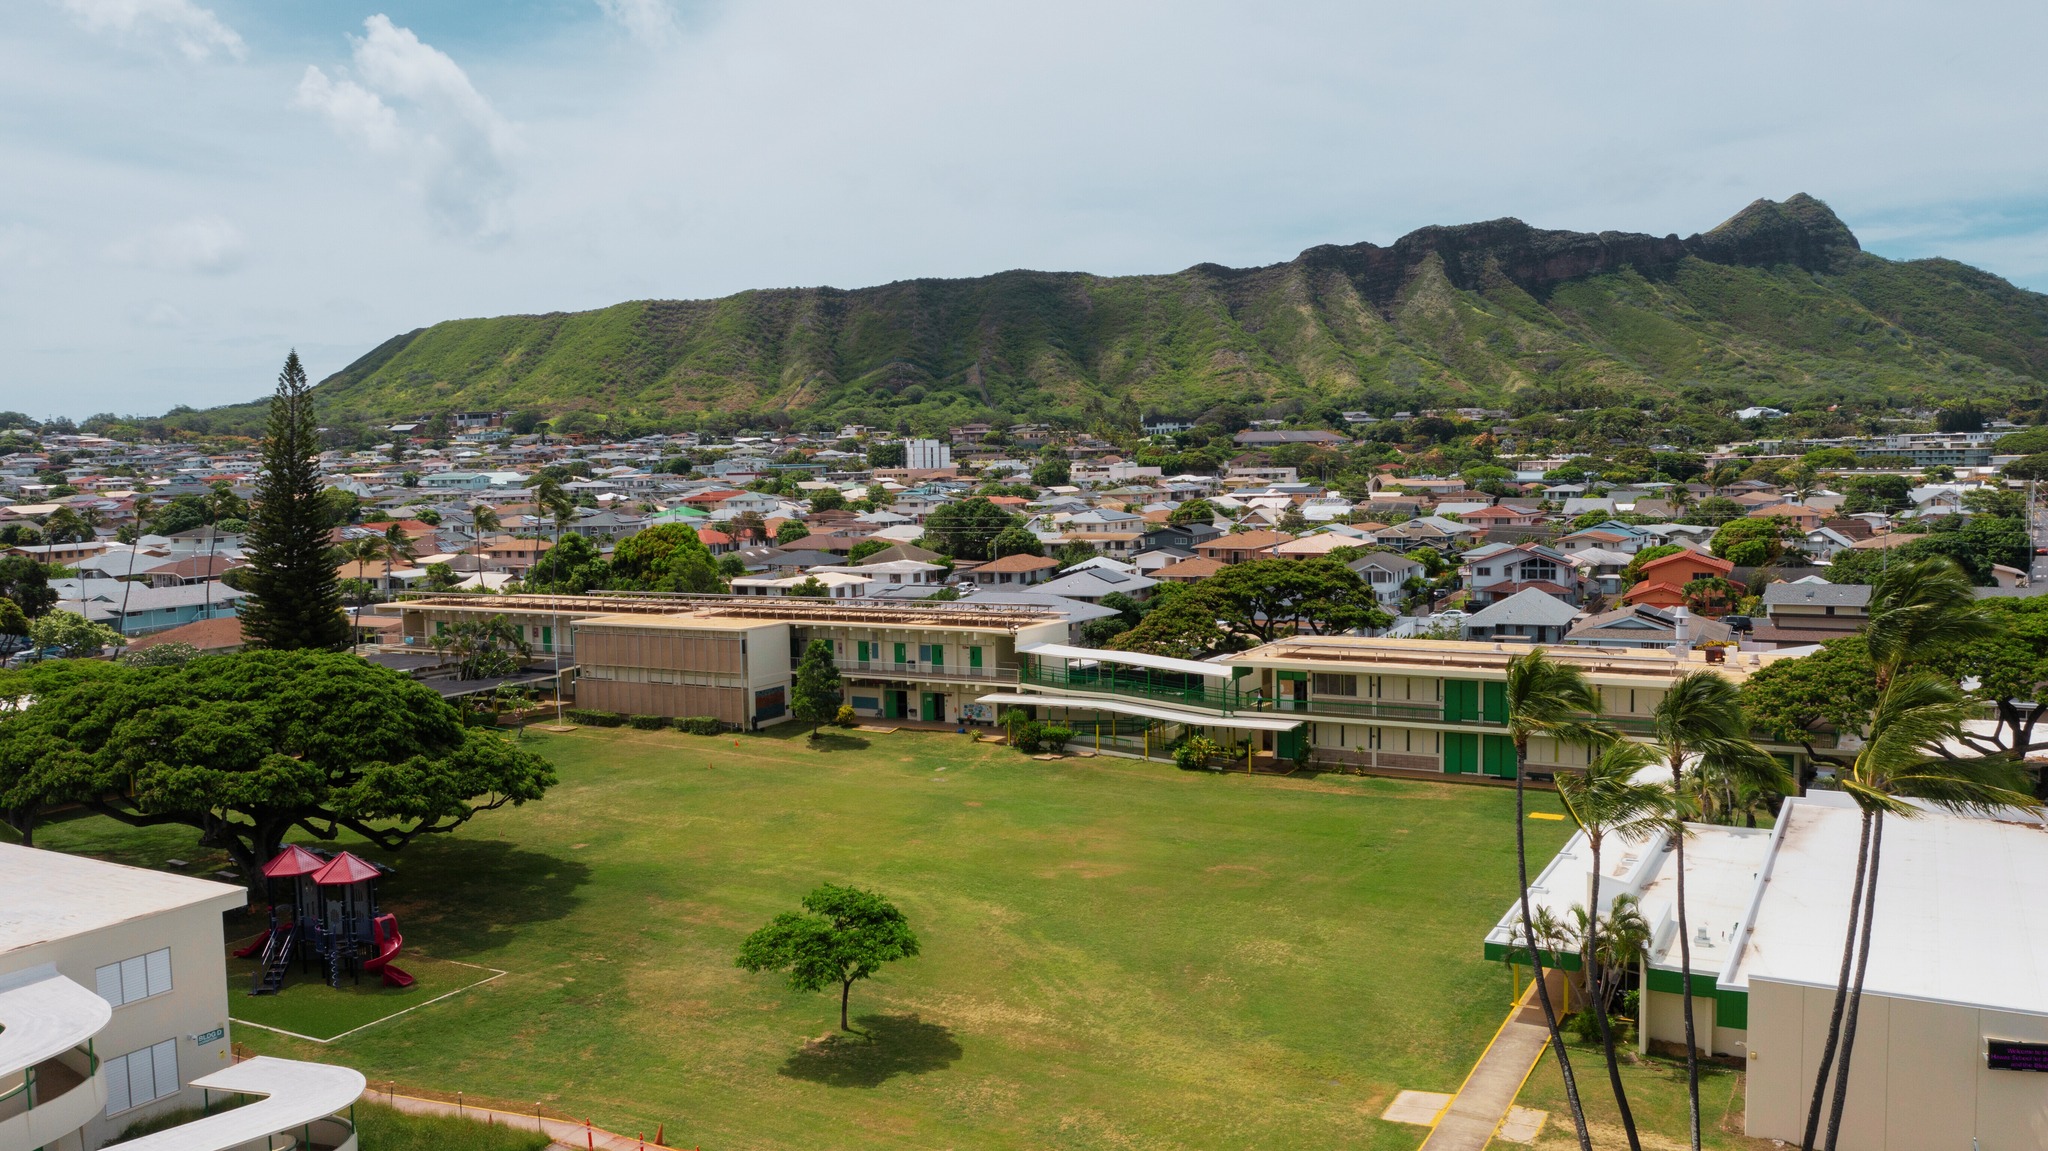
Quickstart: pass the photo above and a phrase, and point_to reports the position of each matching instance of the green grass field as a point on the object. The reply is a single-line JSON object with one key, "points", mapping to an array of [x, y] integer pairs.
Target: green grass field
{"points": [[1116, 954]]}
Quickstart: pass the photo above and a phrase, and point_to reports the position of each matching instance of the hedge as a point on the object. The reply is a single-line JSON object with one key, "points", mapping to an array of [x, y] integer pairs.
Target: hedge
{"points": [[648, 722], [591, 718], [700, 724]]}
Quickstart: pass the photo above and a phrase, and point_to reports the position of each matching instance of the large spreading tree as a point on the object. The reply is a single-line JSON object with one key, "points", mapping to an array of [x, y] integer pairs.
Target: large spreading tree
{"points": [[248, 748], [294, 591]]}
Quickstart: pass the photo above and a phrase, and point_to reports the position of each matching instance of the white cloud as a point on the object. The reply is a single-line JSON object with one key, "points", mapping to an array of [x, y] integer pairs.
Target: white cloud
{"points": [[354, 110], [652, 21], [207, 245], [157, 314], [194, 31], [410, 100]]}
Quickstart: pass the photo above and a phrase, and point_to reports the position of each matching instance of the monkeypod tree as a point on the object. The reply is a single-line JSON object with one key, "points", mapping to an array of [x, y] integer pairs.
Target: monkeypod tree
{"points": [[843, 935], [245, 748]]}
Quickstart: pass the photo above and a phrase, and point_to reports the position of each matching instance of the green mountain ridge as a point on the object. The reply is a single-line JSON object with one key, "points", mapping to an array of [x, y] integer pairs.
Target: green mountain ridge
{"points": [[1777, 305]]}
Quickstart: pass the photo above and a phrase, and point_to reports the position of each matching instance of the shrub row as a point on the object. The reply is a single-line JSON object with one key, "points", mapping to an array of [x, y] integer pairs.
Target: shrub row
{"points": [[694, 724]]}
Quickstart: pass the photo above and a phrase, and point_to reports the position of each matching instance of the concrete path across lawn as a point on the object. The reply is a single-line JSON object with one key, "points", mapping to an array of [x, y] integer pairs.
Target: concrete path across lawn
{"points": [[1481, 1104], [567, 1135]]}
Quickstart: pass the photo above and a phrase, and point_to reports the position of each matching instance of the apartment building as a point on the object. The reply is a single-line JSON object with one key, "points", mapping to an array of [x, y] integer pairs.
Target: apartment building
{"points": [[113, 1009]]}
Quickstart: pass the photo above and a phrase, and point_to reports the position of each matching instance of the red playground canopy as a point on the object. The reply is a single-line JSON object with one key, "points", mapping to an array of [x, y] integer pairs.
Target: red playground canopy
{"points": [[346, 868], [293, 861]]}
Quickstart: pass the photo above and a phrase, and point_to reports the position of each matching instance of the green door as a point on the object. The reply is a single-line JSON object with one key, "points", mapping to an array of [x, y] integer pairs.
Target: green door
{"points": [[938, 655], [1461, 700], [1291, 744], [1494, 698], [900, 654], [1461, 750], [861, 651], [1498, 757], [932, 707], [547, 638], [974, 657], [892, 704]]}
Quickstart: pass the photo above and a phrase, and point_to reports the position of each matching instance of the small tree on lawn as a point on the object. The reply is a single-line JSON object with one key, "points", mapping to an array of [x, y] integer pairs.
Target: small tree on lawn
{"points": [[843, 934], [815, 698]]}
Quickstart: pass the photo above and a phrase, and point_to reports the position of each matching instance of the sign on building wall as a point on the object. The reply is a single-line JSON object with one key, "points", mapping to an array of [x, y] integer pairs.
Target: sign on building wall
{"points": [[2014, 1055]]}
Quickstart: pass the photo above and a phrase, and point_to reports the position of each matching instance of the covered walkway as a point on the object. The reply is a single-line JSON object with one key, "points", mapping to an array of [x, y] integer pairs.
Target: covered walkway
{"points": [[304, 1099]]}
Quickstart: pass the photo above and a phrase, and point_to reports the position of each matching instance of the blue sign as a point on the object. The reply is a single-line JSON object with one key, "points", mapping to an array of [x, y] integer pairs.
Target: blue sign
{"points": [[213, 1036]]}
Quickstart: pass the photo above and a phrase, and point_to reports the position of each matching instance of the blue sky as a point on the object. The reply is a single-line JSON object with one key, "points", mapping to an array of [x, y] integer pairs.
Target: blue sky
{"points": [[190, 187]]}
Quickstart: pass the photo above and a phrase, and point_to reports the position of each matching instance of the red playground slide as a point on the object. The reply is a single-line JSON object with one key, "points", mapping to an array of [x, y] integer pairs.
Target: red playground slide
{"points": [[255, 946], [384, 933]]}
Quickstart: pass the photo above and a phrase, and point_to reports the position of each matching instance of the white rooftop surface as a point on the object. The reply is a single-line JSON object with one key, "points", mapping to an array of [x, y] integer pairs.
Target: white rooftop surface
{"points": [[48, 895], [1131, 659], [295, 1094], [1958, 908], [1722, 865], [44, 1014], [1148, 711]]}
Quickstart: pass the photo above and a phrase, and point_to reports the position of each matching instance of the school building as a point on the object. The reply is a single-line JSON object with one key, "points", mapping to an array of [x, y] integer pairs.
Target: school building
{"points": [[113, 1009], [1951, 1048]]}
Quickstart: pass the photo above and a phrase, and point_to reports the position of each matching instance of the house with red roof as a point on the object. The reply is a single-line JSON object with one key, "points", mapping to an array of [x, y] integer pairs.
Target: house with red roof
{"points": [[1664, 579]]}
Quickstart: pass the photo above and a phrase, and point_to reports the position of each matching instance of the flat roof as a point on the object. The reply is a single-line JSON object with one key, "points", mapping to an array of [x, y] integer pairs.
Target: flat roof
{"points": [[1342, 652], [1958, 907], [1121, 706], [1131, 659], [1723, 866], [618, 609], [44, 1014], [294, 1094], [48, 895]]}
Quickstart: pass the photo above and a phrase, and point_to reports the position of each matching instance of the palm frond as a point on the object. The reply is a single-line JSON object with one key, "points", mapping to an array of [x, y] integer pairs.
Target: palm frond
{"points": [[1922, 608]]}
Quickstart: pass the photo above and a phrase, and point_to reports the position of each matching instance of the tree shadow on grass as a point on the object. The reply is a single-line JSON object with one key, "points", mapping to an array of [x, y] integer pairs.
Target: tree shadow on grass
{"points": [[884, 1047], [469, 895], [838, 741]]}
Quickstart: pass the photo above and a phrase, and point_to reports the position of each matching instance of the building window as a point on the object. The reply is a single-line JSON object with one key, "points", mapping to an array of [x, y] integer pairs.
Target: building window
{"points": [[137, 978], [141, 1077], [1327, 684], [1482, 571]]}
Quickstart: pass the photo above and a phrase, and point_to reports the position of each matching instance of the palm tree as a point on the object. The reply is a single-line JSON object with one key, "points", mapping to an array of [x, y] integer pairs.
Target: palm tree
{"points": [[1701, 718], [1681, 498], [1919, 610], [217, 502], [482, 518], [551, 499], [397, 546], [362, 551], [1606, 800], [1917, 713], [1552, 699]]}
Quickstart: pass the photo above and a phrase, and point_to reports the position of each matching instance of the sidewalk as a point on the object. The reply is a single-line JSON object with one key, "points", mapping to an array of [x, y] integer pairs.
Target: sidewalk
{"points": [[568, 1135], [1481, 1105]]}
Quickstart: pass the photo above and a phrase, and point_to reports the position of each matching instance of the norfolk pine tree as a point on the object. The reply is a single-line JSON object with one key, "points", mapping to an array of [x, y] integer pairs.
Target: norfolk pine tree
{"points": [[815, 696], [294, 592]]}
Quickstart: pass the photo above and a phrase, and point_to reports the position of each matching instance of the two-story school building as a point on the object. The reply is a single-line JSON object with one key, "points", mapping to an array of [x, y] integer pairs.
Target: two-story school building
{"points": [[1423, 706], [113, 1009]]}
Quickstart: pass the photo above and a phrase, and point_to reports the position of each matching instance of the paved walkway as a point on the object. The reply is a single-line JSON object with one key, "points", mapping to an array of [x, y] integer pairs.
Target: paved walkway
{"points": [[1482, 1102], [567, 1135]]}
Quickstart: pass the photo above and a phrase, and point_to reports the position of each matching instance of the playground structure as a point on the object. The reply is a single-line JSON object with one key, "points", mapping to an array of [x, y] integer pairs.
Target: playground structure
{"points": [[333, 926]]}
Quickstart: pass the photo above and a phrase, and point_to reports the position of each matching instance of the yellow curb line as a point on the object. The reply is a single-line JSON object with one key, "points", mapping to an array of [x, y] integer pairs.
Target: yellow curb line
{"points": [[1474, 1070]]}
